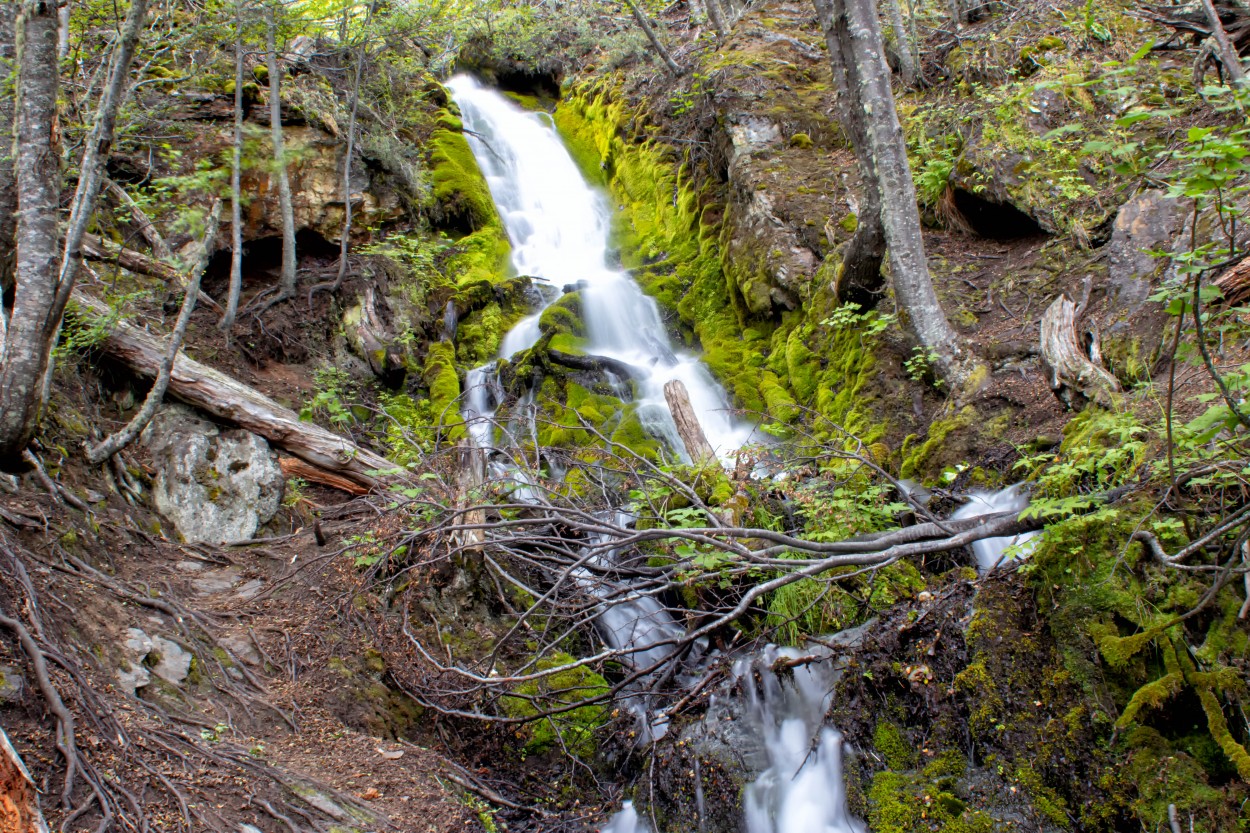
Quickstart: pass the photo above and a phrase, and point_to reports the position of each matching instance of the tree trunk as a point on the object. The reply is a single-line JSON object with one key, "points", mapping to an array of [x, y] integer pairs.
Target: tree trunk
{"points": [[8, 182], [859, 280], [688, 428], [347, 158], [649, 31], [116, 442], [1228, 55], [698, 12], [218, 395], [160, 249], [716, 14], [286, 283], [226, 324], [900, 218], [106, 251], [906, 60], [24, 354]]}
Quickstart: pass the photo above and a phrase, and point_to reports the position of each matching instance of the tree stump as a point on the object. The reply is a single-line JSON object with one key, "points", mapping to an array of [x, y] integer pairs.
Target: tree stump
{"points": [[688, 427], [1074, 370]]}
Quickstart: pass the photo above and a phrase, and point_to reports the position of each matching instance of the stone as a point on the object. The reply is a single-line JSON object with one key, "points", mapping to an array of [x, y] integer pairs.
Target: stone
{"points": [[12, 684], [216, 581], [133, 674], [1150, 220], [215, 485], [173, 662]]}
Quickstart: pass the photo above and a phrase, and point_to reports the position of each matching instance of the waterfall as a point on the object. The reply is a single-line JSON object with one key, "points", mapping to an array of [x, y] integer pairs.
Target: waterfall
{"points": [[559, 227], [990, 551]]}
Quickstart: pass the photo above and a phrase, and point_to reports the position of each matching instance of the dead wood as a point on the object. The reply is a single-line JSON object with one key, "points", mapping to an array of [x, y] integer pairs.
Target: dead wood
{"points": [[218, 395], [141, 220], [1071, 372], [596, 364], [105, 251], [688, 427], [19, 800], [1234, 284], [295, 467]]}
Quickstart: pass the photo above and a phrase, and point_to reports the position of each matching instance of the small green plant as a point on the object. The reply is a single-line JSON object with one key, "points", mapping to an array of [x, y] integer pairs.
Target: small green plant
{"points": [[920, 366], [848, 316], [215, 734], [329, 401]]}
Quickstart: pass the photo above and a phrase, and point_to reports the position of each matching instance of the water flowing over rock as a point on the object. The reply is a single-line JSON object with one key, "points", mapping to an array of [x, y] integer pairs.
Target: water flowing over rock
{"points": [[559, 227], [215, 486]]}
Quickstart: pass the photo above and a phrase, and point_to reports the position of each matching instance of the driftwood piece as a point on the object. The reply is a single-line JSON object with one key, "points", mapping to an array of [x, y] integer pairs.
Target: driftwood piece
{"points": [[19, 803], [218, 395], [1073, 366], [688, 427]]}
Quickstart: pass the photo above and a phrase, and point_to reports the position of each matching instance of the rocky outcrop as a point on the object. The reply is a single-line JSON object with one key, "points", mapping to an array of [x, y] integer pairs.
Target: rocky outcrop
{"points": [[214, 485]]}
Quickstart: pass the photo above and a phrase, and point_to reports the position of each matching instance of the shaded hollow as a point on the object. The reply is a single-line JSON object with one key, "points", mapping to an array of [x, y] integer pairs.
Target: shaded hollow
{"points": [[996, 221]]}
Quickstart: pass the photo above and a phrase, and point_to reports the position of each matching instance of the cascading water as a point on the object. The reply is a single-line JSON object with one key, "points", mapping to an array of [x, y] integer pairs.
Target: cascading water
{"points": [[559, 228]]}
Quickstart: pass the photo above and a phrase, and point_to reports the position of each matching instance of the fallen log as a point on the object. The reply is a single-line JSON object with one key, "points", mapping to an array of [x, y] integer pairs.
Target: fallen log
{"points": [[98, 249], [1075, 372], [141, 220], [594, 364], [688, 427], [295, 467], [218, 395]]}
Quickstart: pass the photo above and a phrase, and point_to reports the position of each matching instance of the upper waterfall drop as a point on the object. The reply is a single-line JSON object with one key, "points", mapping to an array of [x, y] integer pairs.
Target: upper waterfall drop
{"points": [[559, 227]]}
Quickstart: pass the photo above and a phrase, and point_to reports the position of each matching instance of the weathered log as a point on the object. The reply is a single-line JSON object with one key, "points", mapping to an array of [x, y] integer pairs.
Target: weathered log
{"points": [[688, 427], [1072, 375], [471, 475], [98, 249], [141, 220], [19, 804], [295, 467], [218, 395]]}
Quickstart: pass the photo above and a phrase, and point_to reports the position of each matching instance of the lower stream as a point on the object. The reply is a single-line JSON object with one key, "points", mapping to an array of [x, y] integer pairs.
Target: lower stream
{"points": [[559, 229]]}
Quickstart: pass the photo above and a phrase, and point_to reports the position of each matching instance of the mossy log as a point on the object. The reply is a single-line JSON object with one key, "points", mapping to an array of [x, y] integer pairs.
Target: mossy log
{"points": [[98, 249], [220, 396], [594, 364], [1074, 371]]}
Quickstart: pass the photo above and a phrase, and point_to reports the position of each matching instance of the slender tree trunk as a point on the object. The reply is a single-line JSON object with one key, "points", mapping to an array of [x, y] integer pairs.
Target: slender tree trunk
{"points": [[1228, 54], [286, 283], [116, 442], [62, 28], [91, 176], [160, 249], [862, 80], [716, 14], [8, 181], [226, 324], [656, 44], [347, 159], [859, 279], [906, 61], [698, 12]]}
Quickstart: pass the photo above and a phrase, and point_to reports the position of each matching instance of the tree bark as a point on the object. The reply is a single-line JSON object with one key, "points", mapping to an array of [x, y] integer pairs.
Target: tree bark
{"points": [[656, 44], [19, 797], [8, 181], [900, 217], [226, 324], [688, 428], [906, 60], [218, 395], [1228, 55], [24, 354], [716, 14], [859, 279], [1072, 375], [286, 283], [119, 440], [344, 243]]}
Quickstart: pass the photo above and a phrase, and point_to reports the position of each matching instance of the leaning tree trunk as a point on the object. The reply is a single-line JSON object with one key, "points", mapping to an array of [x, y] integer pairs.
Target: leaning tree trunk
{"points": [[8, 183], [906, 60], [286, 283], [226, 324], [689, 429], [1228, 54], [24, 353], [859, 280], [656, 44], [716, 14], [913, 286]]}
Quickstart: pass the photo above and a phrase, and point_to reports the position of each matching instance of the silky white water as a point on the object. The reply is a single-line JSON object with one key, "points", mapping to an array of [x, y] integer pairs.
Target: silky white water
{"points": [[990, 551], [559, 228]]}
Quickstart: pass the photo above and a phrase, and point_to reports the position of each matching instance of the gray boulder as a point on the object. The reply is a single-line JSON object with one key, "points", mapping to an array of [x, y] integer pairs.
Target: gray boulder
{"points": [[214, 485], [1149, 221]]}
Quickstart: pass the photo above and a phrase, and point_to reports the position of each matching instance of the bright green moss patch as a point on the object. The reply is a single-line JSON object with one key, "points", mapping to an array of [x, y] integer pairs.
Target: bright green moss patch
{"points": [[444, 385], [573, 730]]}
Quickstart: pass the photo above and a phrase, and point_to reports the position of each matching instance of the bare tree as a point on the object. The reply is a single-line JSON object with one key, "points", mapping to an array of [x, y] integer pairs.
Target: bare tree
{"points": [[38, 190], [853, 33], [286, 282], [647, 29], [226, 324], [344, 243]]}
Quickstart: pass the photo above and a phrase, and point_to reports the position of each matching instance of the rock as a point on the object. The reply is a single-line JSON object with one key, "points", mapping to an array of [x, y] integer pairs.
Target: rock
{"points": [[241, 647], [216, 581], [133, 675], [12, 684], [1150, 220], [173, 663], [214, 485]]}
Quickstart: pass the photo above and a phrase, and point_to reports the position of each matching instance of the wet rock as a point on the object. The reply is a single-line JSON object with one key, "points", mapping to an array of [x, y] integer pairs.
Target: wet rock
{"points": [[12, 685], [214, 485]]}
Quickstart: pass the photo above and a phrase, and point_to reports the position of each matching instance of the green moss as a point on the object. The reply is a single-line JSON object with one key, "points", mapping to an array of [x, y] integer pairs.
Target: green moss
{"points": [[573, 730], [890, 742], [444, 385], [801, 140]]}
